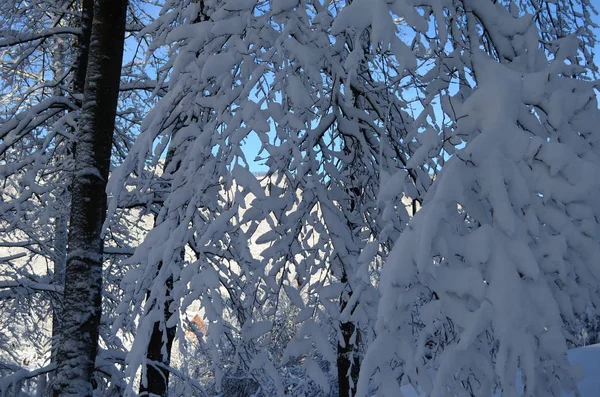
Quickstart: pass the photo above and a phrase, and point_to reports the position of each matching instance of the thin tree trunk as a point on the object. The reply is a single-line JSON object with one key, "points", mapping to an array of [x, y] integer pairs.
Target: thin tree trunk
{"points": [[348, 354], [58, 277], [59, 241], [348, 358], [78, 342], [158, 378]]}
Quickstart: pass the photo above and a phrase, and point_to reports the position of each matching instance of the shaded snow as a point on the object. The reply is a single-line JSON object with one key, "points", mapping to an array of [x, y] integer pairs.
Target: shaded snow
{"points": [[586, 358]]}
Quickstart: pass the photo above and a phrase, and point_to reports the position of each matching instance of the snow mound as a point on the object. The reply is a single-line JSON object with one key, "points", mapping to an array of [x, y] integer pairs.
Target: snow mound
{"points": [[586, 358]]}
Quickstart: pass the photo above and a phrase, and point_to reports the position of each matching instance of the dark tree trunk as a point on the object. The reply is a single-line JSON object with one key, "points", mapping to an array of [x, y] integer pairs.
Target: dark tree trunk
{"points": [[61, 224], [157, 377], [58, 277], [83, 44], [348, 355], [62, 220], [348, 359], [78, 342]]}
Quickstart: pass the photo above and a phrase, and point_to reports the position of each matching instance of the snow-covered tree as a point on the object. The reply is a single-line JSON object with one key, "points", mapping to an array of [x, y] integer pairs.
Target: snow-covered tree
{"points": [[343, 124], [327, 126], [43, 73], [480, 293], [82, 303], [478, 114], [197, 217], [41, 81]]}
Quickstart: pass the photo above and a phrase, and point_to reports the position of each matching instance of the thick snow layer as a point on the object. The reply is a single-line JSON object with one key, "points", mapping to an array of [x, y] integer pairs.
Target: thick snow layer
{"points": [[586, 358]]}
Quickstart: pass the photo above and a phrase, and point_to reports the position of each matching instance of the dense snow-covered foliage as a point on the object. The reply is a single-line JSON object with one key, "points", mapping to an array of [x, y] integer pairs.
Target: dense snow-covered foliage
{"points": [[321, 128], [493, 272], [428, 217]]}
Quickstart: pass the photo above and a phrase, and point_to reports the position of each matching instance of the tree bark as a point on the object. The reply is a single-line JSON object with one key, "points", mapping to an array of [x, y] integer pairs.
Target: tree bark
{"points": [[348, 358], [348, 354], [158, 378], [63, 208], [78, 341], [83, 44], [58, 277]]}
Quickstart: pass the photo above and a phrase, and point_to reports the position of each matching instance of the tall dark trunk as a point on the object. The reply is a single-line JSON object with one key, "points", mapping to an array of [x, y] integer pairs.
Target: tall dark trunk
{"points": [[59, 257], [158, 377], [59, 245], [83, 46], [80, 319], [348, 355], [348, 358]]}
